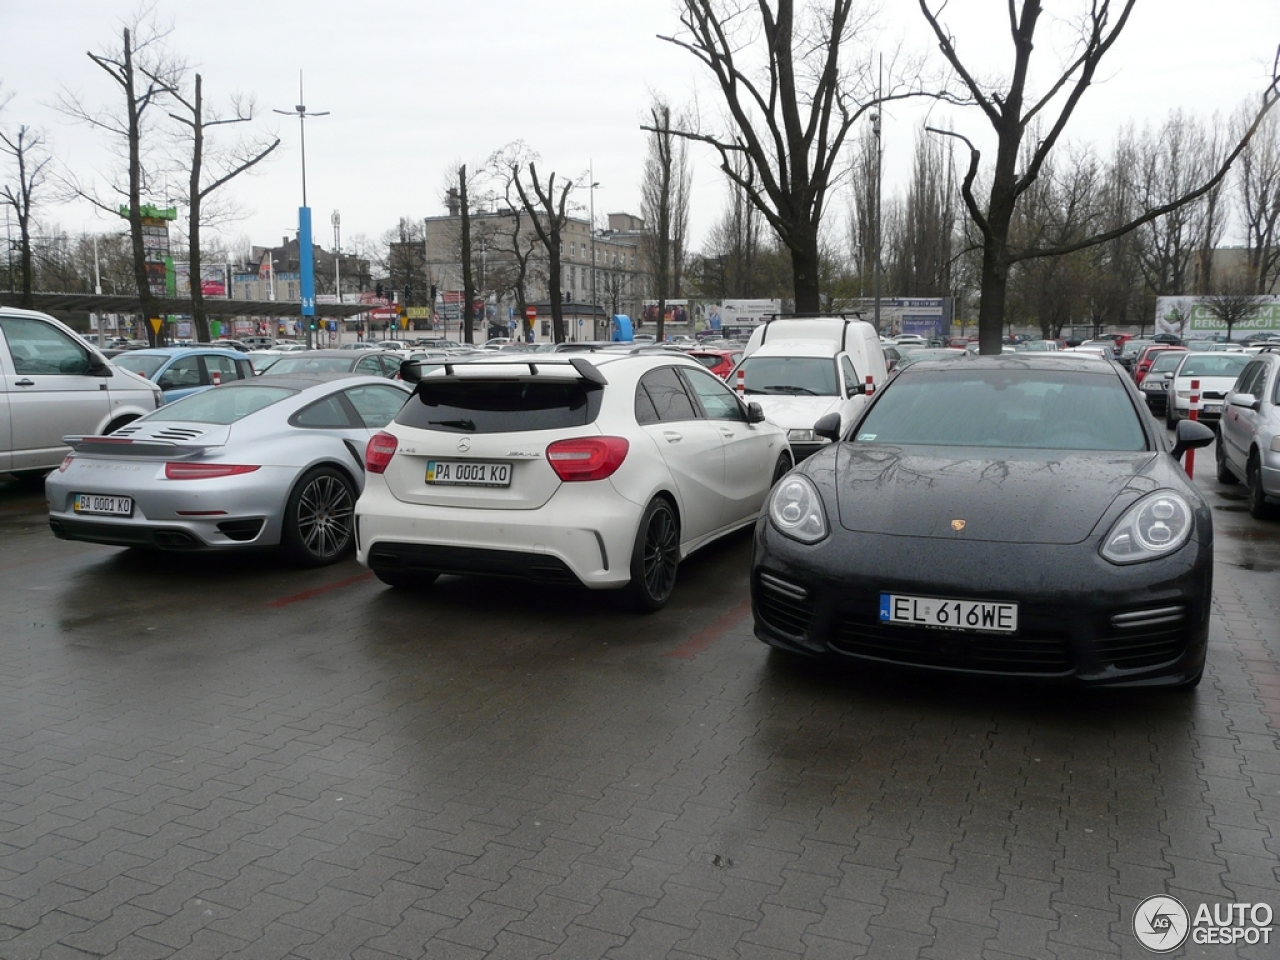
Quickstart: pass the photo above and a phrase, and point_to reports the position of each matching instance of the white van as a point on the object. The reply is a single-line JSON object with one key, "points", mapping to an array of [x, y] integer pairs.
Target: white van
{"points": [[800, 369], [53, 384]]}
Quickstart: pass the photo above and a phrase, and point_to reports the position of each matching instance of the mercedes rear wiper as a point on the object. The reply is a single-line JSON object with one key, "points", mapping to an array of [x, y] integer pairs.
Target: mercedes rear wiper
{"points": [[460, 424]]}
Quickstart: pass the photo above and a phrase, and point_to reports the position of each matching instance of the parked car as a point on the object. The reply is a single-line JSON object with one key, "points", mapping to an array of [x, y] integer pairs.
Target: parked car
{"points": [[360, 345], [228, 343], [181, 371], [1038, 346], [1147, 357], [1155, 385], [604, 470], [53, 382], [1249, 433], [719, 362], [1013, 516], [258, 342], [260, 360], [1216, 374], [929, 353], [262, 463], [375, 363]]}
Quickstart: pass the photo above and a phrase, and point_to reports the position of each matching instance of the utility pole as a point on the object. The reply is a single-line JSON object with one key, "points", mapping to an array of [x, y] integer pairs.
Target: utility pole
{"points": [[592, 174]]}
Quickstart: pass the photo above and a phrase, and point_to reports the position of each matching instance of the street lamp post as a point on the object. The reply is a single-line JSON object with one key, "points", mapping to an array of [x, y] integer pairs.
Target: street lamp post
{"points": [[592, 188], [336, 220], [306, 266]]}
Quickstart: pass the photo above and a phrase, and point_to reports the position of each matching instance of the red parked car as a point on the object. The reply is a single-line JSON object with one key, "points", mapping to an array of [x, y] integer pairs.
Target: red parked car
{"points": [[719, 362], [1147, 357]]}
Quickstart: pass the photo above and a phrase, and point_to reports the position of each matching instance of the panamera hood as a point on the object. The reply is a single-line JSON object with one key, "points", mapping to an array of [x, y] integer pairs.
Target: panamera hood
{"points": [[1041, 497]]}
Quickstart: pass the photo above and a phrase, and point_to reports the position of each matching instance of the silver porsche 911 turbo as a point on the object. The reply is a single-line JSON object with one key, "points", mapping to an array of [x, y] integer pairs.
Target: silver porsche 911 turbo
{"points": [[250, 464]]}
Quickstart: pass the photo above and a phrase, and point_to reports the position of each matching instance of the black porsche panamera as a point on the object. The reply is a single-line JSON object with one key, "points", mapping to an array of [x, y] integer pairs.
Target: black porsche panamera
{"points": [[1019, 515]]}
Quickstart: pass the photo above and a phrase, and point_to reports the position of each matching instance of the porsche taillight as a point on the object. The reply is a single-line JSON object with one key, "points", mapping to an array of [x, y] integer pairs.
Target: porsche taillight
{"points": [[206, 471]]}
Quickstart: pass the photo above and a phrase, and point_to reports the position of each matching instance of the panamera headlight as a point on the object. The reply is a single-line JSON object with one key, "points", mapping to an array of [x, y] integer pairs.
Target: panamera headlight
{"points": [[1156, 525], [795, 508]]}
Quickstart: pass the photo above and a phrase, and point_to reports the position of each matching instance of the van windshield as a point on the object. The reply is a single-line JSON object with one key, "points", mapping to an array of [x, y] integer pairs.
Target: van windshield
{"points": [[791, 376]]}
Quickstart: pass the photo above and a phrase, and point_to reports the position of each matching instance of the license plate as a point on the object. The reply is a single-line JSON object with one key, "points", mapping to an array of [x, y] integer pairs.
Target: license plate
{"points": [[469, 473], [1211, 408], [943, 614], [107, 506]]}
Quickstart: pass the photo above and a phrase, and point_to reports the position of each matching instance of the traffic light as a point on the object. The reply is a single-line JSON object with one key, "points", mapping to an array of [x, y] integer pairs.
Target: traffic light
{"points": [[433, 293], [312, 325], [379, 291], [407, 290]]}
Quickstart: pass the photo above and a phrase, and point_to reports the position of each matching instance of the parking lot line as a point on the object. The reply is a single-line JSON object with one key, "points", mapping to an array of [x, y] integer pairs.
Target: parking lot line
{"points": [[317, 591], [711, 633]]}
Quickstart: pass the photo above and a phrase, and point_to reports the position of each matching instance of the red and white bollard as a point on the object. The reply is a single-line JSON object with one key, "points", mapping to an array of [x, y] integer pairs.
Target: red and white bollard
{"points": [[741, 385], [217, 378], [1193, 414], [871, 385]]}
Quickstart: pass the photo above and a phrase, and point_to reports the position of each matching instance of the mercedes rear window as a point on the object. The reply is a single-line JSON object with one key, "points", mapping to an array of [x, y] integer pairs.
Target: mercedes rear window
{"points": [[469, 405]]}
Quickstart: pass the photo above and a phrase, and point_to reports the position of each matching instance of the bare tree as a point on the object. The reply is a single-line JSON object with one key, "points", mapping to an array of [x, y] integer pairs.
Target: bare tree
{"points": [[664, 190], [1259, 195], [1011, 111], [791, 109], [145, 73], [548, 218], [30, 160], [228, 166], [1232, 299], [517, 242], [1156, 168]]}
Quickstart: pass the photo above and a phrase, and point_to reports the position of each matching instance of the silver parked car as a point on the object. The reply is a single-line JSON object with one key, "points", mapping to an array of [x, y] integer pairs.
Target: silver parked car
{"points": [[1249, 433], [267, 462]]}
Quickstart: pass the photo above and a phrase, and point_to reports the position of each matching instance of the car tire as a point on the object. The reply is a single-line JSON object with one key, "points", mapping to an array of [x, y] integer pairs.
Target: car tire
{"points": [[318, 518], [1259, 509], [655, 557], [1224, 470], [781, 469], [400, 579]]}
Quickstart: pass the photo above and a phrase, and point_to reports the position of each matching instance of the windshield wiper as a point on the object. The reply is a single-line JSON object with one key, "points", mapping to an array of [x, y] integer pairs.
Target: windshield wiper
{"points": [[789, 389], [460, 424]]}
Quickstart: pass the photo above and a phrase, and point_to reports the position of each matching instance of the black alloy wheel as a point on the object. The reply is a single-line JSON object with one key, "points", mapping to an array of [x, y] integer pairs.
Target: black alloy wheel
{"points": [[781, 469], [655, 557], [318, 518]]}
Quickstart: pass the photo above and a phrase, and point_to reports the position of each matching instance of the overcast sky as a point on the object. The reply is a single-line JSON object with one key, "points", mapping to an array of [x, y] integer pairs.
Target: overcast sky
{"points": [[415, 86]]}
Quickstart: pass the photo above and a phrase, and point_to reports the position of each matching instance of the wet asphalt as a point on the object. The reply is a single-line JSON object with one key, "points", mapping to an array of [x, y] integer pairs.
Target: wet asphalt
{"points": [[229, 757]]}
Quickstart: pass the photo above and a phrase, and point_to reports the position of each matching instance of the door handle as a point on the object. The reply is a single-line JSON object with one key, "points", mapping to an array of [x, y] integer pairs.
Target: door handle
{"points": [[24, 382], [727, 431], [672, 436]]}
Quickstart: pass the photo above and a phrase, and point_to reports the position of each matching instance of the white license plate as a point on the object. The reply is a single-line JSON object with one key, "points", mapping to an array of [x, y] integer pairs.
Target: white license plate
{"points": [[107, 506], [943, 614], [469, 473], [1211, 408]]}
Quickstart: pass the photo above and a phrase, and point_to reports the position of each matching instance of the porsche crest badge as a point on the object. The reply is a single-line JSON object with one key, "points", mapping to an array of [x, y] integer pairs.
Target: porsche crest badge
{"points": [[957, 525]]}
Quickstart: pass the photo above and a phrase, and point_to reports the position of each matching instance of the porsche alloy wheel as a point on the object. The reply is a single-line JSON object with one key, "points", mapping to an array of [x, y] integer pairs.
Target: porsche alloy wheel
{"points": [[318, 518]]}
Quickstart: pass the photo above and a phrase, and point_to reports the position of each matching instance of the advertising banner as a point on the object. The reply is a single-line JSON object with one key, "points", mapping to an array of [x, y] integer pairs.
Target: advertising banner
{"points": [[1189, 317]]}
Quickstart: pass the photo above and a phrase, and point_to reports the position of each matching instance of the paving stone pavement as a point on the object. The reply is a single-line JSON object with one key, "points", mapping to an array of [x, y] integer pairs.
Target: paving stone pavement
{"points": [[233, 759]]}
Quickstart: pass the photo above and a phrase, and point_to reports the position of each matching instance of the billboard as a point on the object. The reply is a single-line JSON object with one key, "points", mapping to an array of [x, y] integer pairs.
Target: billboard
{"points": [[738, 313], [1190, 317]]}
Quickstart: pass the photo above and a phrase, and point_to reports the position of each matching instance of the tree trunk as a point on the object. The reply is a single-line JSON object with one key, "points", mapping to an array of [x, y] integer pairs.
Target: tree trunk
{"points": [[468, 284], [199, 319], [804, 270]]}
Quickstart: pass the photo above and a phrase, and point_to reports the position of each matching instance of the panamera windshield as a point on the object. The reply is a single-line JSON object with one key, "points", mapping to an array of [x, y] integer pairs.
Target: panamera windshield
{"points": [[1028, 409]]}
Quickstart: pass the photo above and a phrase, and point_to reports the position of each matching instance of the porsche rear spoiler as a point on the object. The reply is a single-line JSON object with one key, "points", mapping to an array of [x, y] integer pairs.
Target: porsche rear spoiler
{"points": [[127, 447]]}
